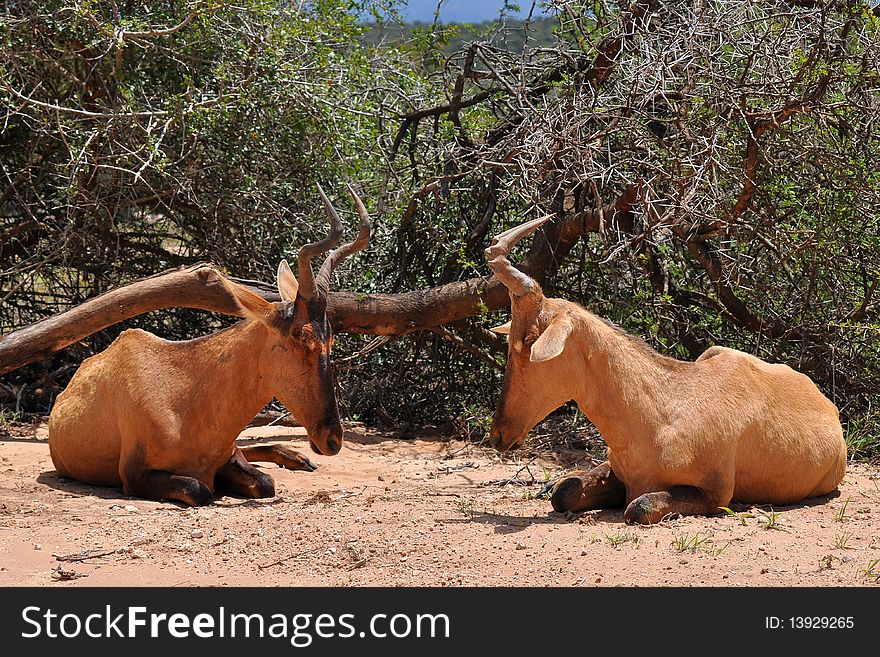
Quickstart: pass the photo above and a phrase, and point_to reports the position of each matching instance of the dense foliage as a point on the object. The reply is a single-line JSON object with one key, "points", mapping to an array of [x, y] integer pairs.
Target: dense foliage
{"points": [[722, 157]]}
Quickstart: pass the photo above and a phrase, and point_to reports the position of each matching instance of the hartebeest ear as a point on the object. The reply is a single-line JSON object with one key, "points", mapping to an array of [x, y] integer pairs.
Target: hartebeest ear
{"points": [[252, 305], [552, 341], [504, 329], [287, 283]]}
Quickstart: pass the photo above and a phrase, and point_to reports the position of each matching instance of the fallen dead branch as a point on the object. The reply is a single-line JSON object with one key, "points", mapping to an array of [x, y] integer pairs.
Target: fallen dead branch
{"points": [[97, 553]]}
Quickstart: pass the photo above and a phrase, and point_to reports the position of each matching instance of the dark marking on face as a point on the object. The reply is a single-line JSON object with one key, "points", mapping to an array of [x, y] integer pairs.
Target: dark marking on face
{"points": [[325, 374], [320, 329], [286, 312], [305, 320]]}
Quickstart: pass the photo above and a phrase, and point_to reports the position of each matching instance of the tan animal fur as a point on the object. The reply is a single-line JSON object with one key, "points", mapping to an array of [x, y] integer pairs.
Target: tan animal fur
{"points": [[161, 418], [683, 437]]}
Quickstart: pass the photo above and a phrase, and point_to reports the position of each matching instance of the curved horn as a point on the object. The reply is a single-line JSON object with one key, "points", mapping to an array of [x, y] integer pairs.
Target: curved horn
{"points": [[514, 280], [340, 254], [307, 288]]}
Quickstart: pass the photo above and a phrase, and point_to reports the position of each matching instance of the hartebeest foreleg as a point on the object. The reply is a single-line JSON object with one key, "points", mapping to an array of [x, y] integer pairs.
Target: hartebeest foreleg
{"points": [[279, 454], [583, 490], [599, 488], [154, 484], [678, 500], [164, 485]]}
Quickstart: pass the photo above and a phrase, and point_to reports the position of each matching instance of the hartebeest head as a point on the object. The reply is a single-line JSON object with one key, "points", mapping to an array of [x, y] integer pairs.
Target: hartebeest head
{"points": [[298, 368], [537, 333]]}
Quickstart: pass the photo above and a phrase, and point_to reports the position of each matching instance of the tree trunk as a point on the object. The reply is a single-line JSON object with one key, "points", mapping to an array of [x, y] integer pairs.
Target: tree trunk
{"points": [[197, 286]]}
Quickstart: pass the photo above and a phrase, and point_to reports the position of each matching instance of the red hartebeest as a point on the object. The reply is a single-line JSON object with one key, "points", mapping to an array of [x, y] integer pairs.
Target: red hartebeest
{"points": [[161, 418], [683, 438]]}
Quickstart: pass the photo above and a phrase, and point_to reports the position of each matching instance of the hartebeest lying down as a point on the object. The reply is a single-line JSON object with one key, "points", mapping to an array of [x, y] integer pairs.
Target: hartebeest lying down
{"points": [[683, 438], [161, 418]]}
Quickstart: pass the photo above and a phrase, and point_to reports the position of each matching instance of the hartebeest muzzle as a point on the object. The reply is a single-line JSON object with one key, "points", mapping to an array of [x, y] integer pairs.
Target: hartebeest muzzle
{"points": [[327, 440], [504, 437]]}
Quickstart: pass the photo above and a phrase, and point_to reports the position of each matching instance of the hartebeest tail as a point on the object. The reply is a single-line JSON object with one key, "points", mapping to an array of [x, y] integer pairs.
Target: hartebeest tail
{"points": [[161, 418], [683, 438]]}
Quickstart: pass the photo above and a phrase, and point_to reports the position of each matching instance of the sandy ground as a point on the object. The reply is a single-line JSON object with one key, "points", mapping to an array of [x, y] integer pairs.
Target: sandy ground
{"points": [[423, 512]]}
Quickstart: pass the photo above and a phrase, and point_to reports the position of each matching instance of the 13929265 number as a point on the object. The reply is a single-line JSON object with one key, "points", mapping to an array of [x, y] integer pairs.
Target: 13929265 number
{"points": [[820, 622]]}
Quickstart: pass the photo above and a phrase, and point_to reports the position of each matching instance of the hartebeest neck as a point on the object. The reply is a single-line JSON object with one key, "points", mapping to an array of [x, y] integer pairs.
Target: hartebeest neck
{"points": [[624, 383], [231, 388]]}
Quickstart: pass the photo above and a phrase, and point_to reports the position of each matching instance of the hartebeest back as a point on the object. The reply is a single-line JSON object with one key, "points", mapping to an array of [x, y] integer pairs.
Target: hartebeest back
{"points": [[683, 438], [161, 418]]}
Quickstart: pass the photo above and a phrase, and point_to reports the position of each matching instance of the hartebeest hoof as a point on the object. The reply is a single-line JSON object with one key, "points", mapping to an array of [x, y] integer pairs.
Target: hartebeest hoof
{"points": [[568, 495], [164, 485], [195, 493], [300, 462], [653, 507], [290, 459], [263, 486], [594, 489], [284, 457], [641, 511], [239, 477]]}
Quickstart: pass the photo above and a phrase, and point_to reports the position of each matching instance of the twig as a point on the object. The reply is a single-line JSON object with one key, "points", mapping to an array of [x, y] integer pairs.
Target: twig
{"points": [[288, 558], [95, 554], [62, 575], [82, 556], [514, 479], [458, 468], [279, 418], [350, 494], [467, 346], [374, 344]]}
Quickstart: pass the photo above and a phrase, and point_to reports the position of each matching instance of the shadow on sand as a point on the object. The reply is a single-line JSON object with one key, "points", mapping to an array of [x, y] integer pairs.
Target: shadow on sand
{"points": [[509, 524]]}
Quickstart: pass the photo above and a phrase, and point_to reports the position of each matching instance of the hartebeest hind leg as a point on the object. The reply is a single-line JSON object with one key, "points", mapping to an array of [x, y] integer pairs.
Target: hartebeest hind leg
{"points": [[678, 500], [583, 490], [241, 478], [283, 456]]}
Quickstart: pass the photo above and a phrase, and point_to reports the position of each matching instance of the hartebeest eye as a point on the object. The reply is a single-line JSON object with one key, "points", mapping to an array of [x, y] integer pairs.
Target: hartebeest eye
{"points": [[305, 336]]}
